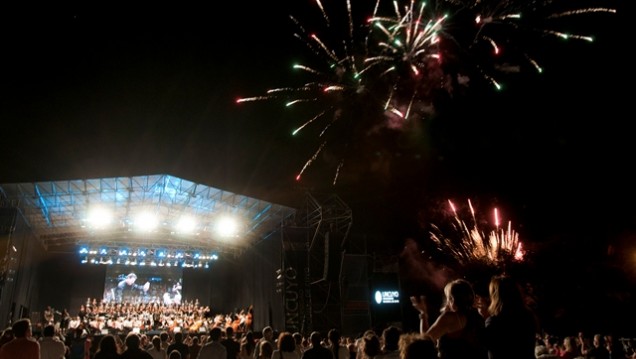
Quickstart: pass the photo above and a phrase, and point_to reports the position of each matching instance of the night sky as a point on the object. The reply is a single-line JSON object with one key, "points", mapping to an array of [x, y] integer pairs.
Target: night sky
{"points": [[109, 89]]}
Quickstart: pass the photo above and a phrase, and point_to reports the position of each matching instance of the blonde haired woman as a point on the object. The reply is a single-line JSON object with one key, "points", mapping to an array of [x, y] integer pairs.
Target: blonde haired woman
{"points": [[511, 327], [458, 330]]}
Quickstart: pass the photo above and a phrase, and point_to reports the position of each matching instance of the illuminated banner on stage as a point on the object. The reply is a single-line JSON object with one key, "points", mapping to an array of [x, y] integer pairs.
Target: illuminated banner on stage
{"points": [[387, 296]]}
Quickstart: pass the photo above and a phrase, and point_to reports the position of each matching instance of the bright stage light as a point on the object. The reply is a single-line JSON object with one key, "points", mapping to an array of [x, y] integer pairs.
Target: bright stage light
{"points": [[227, 227], [186, 224], [146, 221], [99, 217]]}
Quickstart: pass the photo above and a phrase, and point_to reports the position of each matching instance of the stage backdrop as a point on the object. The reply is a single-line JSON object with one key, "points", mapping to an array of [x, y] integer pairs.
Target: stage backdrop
{"points": [[230, 284]]}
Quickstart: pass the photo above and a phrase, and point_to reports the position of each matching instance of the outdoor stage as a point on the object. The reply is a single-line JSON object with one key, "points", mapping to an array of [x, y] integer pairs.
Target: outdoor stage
{"points": [[295, 266]]}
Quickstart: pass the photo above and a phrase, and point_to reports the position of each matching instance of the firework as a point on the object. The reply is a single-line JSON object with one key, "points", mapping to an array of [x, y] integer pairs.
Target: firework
{"points": [[381, 69], [467, 243], [337, 89]]}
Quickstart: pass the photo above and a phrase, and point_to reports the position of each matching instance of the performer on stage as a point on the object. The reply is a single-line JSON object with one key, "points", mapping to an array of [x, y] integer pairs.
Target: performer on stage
{"points": [[176, 292], [173, 296], [49, 315], [127, 289], [249, 319], [65, 321]]}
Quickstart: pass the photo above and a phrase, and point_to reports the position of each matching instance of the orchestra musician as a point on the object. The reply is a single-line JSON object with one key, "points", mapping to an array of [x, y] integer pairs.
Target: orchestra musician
{"points": [[49, 315]]}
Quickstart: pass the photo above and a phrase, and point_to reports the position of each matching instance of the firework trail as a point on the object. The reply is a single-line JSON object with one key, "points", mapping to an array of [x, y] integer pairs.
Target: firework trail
{"points": [[381, 68], [467, 243]]}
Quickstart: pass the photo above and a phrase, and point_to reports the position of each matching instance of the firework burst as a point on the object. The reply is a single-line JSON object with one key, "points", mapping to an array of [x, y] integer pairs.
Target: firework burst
{"points": [[467, 243], [381, 69]]}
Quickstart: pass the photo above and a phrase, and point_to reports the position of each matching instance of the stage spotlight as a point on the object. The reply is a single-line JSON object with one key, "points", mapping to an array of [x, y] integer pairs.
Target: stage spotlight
{"points": [[146, 221], [99, 217], [227, 227], [186, 224]]}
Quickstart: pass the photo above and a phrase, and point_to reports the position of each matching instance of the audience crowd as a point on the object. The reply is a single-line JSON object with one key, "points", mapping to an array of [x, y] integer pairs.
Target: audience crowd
{"points": [[500, 325]]}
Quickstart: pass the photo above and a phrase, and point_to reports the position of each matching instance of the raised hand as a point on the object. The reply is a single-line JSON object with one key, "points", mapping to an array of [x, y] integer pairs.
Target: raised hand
{"points": [[419, 303]]}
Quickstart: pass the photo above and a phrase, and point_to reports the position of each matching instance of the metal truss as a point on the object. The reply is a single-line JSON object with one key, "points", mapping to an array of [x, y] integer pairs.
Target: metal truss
{"points": [[328, 221], [57, 211]]}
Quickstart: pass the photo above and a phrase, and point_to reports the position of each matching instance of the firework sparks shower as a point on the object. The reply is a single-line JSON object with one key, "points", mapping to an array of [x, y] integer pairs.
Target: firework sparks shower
{"points": [[466, 242], [380, 67]]}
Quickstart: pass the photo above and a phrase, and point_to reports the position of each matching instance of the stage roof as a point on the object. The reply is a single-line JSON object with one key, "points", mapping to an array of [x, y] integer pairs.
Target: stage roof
{"points": [[57, 212]]}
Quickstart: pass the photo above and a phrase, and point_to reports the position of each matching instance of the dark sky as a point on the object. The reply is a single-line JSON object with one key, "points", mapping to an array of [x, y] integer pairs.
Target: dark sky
{"points": [[109, 89]]}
